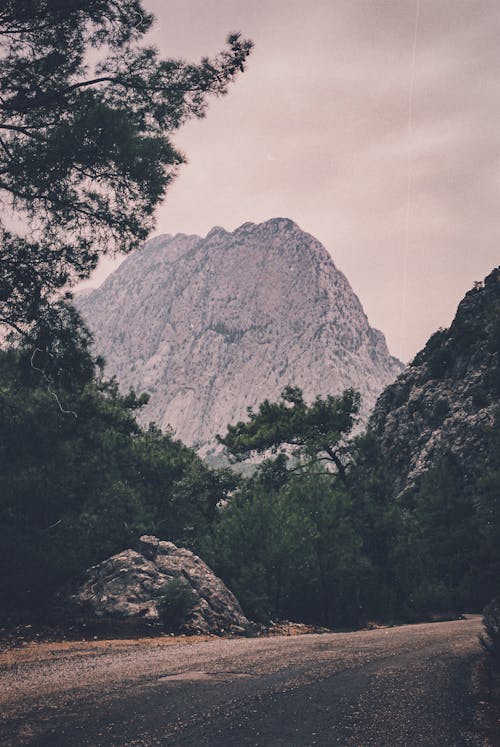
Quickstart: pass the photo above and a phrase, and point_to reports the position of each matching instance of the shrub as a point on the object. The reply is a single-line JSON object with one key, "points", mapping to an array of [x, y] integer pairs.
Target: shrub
{"points": [[494, 336], [440, 412], [434, 343], [432, 598], [174, 604], [438, 362], [490, 640]]}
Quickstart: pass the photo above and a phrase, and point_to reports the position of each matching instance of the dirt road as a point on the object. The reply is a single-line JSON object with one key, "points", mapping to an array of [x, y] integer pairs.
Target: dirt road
{"points": [[405, 686]]}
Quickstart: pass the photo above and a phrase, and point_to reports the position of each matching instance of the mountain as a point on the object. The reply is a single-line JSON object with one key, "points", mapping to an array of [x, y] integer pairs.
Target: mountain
{"points": [[210, 326], [446, 400]]}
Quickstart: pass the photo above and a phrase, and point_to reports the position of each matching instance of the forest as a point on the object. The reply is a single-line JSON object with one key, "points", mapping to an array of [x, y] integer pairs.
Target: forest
{"points": [[316, 532]]}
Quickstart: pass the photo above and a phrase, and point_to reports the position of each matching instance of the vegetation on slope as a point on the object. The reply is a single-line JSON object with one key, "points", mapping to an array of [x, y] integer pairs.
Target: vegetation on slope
{"points": [[79, 479], [300, 538]]}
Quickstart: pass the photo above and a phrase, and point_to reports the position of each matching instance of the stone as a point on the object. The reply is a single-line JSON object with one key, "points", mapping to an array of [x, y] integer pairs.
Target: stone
{"points": [[447, 398], [129, 586], [210, 326]]}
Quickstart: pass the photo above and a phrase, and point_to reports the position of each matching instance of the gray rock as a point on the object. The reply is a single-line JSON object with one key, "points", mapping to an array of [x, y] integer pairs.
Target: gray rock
{"points": [[210, 326], [129, 587], [446, 399]]}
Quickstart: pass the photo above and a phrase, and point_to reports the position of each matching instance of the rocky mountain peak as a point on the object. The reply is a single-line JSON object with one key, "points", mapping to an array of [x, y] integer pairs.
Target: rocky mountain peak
{"points": [[210, 326]]}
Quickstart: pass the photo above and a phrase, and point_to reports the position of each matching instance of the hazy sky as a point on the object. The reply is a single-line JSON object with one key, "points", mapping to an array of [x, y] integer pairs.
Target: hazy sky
{"points": [[403, 190]]}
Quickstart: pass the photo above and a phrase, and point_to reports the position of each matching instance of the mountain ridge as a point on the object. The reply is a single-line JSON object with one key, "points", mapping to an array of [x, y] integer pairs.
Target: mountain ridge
{"points": [[445, 400], [210, 326]]}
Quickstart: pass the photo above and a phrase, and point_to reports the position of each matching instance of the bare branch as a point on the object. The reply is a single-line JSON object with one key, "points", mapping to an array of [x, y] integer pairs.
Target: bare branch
{"points": [[51, 391]]}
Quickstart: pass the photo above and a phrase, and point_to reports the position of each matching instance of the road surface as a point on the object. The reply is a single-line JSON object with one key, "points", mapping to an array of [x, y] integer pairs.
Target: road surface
{"points": [[407, 686]]}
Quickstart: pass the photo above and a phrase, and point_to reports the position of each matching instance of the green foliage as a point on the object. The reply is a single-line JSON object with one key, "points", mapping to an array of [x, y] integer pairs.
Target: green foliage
{"points": [[487, 519], [80, 480], [465, 332], [315, 432], [445, 345], [85, 157], [291, 550], [490, 640], [494, 337], [286, 543], [336, 569], [175, 602], [441, 540], [379, 521], [493, 380], [440, 411], [438, 362], [396, 394], [433, 345], [85, 149], [297, 544], [449, 545], [251, 551]]}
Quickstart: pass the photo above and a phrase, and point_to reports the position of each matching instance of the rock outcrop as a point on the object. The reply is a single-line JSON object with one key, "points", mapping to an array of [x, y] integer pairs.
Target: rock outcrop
{"points": [[210, 326], [132, 587], [447, 398]]}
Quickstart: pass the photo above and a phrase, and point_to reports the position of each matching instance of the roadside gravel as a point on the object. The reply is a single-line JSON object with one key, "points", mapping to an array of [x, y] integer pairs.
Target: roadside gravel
{"points": [[409, 685]]}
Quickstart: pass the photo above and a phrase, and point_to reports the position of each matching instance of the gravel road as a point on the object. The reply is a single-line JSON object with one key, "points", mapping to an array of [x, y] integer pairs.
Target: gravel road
{"points": [[405, 686]]}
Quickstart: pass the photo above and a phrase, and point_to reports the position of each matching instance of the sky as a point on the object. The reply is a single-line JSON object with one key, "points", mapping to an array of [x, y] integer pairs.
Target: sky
{"points": [[373, 124]]}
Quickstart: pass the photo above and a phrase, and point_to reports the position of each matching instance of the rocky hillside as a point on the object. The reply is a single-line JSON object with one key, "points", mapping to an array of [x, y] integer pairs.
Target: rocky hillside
{"points": [[210, 326], [447, 397]]}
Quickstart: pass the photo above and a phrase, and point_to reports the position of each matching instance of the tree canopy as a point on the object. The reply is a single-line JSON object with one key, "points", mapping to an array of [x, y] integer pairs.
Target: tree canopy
{"points": [[86, 115], [81, 480], [316, 432]]}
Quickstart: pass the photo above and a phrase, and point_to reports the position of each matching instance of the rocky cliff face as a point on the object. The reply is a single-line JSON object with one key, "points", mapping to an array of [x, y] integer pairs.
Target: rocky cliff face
{"points": [[446, 399], [210, 326]]}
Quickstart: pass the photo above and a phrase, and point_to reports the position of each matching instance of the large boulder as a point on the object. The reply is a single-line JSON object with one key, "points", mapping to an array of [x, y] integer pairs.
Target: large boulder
{"points": [[136, 587]]}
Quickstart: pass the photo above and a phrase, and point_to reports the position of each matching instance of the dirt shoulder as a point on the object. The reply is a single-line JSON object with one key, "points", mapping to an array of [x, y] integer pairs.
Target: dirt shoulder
{"points": [[31, 652], [30, 644]]}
